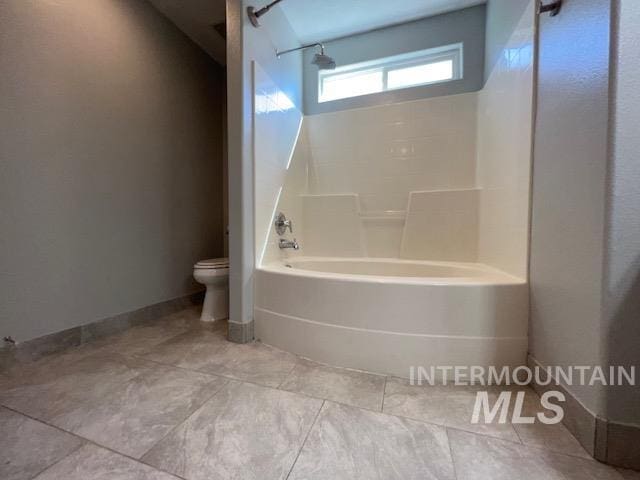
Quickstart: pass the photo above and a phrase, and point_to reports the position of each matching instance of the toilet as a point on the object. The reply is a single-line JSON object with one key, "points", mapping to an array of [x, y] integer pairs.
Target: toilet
{"points": [[214, 274]]}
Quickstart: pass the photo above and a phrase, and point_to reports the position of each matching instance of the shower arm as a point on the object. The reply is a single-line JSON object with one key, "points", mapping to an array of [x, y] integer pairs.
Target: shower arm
{"points": [[303, 47]]}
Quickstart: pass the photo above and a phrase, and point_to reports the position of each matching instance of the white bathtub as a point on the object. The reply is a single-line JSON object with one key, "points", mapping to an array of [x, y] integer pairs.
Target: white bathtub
{"points": [[387, 315]]}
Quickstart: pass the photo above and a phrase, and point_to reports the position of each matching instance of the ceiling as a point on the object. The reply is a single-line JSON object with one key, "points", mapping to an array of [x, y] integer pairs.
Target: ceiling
{"points": [[311, 20], [196, 18], [320, 20]]}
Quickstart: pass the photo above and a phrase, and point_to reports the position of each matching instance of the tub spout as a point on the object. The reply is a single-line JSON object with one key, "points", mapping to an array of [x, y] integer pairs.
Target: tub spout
{"points": [[288, 244]]}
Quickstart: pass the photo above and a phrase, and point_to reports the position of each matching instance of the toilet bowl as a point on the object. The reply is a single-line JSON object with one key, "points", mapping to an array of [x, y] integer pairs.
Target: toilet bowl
{"points": [[214, 274]]}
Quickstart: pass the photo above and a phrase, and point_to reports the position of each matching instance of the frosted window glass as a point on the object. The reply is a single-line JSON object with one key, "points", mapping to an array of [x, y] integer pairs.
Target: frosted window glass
{"points": [[420, 74], [406, 70], [351, 85]]}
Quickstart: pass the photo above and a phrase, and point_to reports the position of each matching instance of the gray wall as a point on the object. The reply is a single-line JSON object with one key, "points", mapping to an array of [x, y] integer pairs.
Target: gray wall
{"points": [[569, 183], [569, 191], [110, 162], [621, 334], [466, 26], [247, 44], [501, 20]]}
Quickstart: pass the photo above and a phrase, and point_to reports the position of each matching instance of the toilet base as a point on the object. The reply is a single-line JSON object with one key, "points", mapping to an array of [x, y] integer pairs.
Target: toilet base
{"points": [[216, 304]]}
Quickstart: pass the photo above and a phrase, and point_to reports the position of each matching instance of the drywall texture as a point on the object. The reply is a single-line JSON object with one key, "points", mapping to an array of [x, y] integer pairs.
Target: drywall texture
{"points": [[621, 332], [111, 157], [247, 44], [463, 26], [504, 137], [569, 191]]}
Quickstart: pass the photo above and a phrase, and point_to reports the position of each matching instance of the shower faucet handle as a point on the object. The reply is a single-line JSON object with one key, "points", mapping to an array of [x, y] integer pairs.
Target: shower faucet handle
{"points": [[282, 224]]}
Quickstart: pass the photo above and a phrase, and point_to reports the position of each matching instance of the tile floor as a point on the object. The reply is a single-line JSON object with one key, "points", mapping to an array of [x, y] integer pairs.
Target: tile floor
{"points": [[174, 399]]}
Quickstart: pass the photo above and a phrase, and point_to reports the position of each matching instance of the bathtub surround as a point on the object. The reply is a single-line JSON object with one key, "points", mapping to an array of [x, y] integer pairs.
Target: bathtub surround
{"points": [[465, 26], [584, 247], [430, 179], [277, 124], [505, 116], [379, 174], [111, 163]]}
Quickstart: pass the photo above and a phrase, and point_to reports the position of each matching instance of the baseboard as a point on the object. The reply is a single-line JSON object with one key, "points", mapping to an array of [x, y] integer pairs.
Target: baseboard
{"points": [[623, 445], [610, 442], [37, 348], [241, 332]]}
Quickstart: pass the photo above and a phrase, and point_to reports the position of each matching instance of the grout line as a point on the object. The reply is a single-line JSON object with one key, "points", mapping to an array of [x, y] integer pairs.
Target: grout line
{"points": [[524, 445], [286, 377], [384, 393], [183, 421], [453, 460], [82, 444], [304, 442], [517, 434], [88, 441]]}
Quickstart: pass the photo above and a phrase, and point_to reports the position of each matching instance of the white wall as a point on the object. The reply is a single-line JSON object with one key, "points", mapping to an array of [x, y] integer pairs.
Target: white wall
{"points": [[504, 136], [110, 162]]}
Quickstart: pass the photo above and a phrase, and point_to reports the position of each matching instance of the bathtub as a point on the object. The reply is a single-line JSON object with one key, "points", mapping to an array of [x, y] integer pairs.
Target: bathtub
{"points": [[388, 315]]}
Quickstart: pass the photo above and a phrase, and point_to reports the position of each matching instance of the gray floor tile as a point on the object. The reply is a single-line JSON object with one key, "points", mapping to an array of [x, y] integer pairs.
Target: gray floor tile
{"points": [[480, 457], [351, 443], [27, 447], [451, 406], [50, 392], [188, 350], [92, 462], [359, 389], [551, 437], [244, 432], [554, 437], [141, 338], [135, 415], [251, 362], [210, 352]]}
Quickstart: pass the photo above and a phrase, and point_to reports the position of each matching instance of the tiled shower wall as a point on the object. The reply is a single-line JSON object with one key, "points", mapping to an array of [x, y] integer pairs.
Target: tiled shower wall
{"points": [[376, 177], [383, 153]]}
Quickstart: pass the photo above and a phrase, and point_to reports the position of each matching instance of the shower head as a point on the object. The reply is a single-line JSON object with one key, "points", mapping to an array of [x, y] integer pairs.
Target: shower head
{"points": [[322, 61]]}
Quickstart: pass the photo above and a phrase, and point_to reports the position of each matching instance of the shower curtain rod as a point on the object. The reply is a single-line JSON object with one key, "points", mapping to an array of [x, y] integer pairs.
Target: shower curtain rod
{"points": [[254, 14]]}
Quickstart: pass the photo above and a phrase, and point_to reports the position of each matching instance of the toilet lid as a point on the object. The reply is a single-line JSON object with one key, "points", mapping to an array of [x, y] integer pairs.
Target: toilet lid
{"points": [[213, 263]]}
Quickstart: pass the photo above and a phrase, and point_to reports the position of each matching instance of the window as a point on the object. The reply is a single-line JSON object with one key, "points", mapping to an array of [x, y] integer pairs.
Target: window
{"points": [[424, 67]]}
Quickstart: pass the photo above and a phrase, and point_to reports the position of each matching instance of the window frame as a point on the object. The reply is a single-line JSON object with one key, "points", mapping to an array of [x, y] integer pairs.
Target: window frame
{"points": [[453, 52]]}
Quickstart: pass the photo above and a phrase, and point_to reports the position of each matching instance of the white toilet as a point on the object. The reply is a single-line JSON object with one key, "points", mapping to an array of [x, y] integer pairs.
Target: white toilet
{"points": [[214, 274]]}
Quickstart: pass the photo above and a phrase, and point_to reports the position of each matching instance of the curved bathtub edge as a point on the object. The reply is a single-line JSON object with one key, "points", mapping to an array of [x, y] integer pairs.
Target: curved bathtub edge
{"points": [[385, 353]]}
